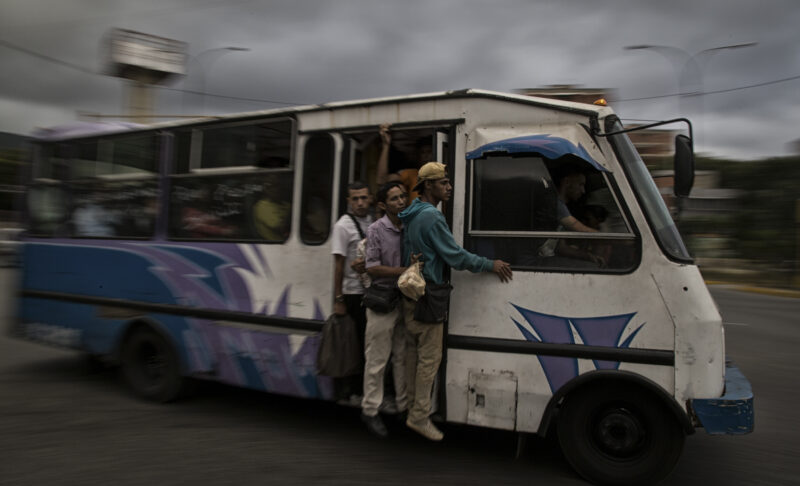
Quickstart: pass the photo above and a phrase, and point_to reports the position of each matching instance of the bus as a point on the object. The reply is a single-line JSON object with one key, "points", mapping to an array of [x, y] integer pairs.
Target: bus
{"points": [[201, 249]]}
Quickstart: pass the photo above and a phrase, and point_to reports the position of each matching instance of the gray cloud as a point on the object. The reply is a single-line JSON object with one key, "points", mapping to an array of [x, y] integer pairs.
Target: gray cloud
{"points": [[315, 51]]}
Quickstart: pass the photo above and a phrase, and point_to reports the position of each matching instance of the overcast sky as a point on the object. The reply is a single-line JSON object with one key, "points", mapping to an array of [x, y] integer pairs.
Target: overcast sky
{"points": [[314, 51]]}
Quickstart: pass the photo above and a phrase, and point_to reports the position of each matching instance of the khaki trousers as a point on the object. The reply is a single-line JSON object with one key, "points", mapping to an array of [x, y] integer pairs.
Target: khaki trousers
{"points": [[385, 336], [423, 356]]}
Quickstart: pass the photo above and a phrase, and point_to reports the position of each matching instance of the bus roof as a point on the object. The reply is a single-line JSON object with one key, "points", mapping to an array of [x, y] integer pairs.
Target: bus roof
{"points": [[87, 129]]}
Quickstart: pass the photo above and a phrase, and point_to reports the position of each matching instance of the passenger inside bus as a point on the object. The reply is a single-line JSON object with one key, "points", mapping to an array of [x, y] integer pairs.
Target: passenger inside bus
{"points": [[406, 172], [198, 219], [570, 182], [519, 201], [272, 212], [93, 218]]}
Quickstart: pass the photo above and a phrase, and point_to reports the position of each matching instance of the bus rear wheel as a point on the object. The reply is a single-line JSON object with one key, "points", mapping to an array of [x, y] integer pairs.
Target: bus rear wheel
{"points": [[151, 366], [620, 435]]}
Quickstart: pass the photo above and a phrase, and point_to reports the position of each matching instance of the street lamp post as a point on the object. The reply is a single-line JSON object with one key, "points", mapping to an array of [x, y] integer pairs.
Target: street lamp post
{"points": [[689, 67], [216, 52]]}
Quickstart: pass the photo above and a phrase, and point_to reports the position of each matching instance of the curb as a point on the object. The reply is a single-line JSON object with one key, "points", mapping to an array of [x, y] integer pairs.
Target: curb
{"points": [[792, 294]]}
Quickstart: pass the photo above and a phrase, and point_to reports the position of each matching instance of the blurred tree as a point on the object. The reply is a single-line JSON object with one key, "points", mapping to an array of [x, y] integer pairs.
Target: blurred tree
{"points": [[764, 229], [12, 162]]}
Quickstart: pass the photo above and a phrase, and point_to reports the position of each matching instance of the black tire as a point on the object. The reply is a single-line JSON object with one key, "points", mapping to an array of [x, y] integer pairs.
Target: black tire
{"points": [[620, 435], [151, 366]]}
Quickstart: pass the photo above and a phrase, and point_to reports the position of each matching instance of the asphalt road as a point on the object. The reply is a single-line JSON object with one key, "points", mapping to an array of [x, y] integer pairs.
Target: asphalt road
{"points": [[64, 422]]}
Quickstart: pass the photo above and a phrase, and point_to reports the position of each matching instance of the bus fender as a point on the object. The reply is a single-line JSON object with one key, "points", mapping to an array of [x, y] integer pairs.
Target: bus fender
{"points": [[616, 376]]}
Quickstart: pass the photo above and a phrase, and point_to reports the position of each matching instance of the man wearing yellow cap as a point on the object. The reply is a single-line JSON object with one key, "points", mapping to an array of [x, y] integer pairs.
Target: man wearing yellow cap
{"points": [[426, 232]]}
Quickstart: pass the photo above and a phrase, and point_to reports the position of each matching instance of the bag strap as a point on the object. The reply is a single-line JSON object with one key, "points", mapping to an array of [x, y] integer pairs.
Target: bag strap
{"points": [[358, 226]]}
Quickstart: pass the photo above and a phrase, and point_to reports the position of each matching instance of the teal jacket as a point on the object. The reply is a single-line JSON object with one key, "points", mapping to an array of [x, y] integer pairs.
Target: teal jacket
{"points": [[425, 231]]}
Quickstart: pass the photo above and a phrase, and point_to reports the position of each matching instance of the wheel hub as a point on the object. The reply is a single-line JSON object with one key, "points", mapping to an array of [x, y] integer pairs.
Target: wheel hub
{"points": [[151, 362], [619, 433]]}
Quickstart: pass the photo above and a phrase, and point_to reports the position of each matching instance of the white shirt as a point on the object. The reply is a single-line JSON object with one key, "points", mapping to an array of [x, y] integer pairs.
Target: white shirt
{"points": [[345, 242]]}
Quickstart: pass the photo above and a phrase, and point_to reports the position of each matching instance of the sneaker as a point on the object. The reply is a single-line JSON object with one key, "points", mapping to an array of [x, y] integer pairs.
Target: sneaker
{"points": [[426, 429], [375, 425]]}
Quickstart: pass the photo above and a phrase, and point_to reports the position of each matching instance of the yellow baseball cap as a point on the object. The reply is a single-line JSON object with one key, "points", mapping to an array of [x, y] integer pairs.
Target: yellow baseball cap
{"points": [[431, 171]]}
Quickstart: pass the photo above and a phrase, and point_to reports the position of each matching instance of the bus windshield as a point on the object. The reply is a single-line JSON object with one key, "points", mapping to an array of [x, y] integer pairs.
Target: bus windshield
{"points": [[650, 199]]}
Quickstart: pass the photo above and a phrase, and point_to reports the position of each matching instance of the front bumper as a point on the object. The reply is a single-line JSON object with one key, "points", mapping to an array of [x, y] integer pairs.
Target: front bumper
{"points": [[732, 413]]}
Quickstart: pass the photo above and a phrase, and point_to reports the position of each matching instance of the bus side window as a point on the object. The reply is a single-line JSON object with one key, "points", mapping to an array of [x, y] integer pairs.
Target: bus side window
{"points": [[253, 206], [114, 186], [265, 144], [47, 209], [517, 211], [317, 200], [122, 209], [233, 181], [47, 199]]}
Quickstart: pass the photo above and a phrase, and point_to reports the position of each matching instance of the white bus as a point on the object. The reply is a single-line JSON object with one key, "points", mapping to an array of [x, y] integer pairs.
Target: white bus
{"points": [[201, 249]]}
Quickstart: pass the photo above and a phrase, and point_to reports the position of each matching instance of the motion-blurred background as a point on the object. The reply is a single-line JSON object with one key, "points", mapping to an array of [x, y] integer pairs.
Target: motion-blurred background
{"points": [[732, 67]]}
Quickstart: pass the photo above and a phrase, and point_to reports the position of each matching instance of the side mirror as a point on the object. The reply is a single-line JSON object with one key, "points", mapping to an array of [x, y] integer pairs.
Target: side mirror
{"points": [[684, 166]]}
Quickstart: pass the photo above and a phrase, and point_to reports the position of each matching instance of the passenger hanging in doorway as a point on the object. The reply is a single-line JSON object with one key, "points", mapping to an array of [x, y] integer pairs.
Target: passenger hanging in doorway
{"points": [[386, 333], [426, 232], [348, 232]]}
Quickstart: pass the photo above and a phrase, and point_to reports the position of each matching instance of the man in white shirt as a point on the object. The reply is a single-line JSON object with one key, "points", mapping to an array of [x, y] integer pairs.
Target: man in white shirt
{"points": [[347, 287]]}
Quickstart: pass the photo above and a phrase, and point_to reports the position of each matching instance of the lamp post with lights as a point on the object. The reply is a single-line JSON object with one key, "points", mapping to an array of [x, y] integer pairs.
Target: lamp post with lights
{"points": [[689, 67]]}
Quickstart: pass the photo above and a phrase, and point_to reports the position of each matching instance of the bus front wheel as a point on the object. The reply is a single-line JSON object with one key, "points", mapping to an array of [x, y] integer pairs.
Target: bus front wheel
{"points": [[151, 366], [616, 434]]}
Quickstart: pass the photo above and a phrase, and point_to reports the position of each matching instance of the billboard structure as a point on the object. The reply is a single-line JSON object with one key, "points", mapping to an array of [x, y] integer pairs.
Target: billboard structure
{"points": [[145, 60]]}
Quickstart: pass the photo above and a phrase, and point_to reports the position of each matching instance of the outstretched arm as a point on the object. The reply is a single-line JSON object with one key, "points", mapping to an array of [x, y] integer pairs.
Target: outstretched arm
{"points": [[382, 172], [571, 223]]}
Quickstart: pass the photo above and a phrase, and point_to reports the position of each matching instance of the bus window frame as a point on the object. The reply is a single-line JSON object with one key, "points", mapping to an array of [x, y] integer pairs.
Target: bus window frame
{"points": [[633, 233], [338, 144], [686, 258], [437, 129], [195, 171], [197, 134], [106, 143], [67, 183]]}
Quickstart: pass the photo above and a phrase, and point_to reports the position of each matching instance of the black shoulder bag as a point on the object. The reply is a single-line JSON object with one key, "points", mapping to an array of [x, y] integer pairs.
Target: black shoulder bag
{"points": [[432, 307], [381, 298]]}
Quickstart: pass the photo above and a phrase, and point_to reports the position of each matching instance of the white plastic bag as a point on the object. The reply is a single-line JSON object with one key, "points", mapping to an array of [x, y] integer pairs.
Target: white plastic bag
{"points": [[411, 283]]}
